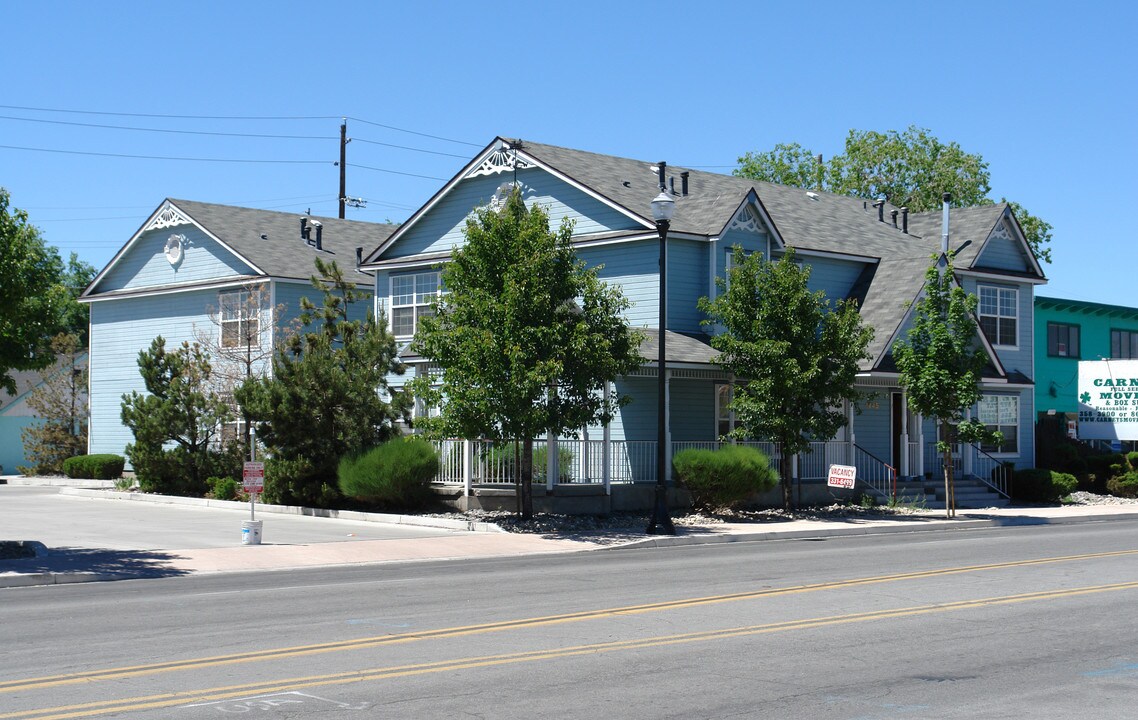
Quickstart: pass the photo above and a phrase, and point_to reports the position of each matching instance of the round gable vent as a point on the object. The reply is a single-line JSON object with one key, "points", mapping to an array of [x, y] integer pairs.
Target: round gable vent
{"points": [[174, 248]]}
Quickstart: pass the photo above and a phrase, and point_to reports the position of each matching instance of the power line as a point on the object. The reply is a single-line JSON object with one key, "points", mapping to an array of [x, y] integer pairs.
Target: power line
{"points": [[394, 172], [160, 157], [404, 147], [163, 130], [412, 132], [176, 117]]}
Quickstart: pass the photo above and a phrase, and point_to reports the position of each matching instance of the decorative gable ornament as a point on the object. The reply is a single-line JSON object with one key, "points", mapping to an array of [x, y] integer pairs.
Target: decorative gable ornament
{"points": [[167, 217], [501, 160], [746, 220], [175, 248]]}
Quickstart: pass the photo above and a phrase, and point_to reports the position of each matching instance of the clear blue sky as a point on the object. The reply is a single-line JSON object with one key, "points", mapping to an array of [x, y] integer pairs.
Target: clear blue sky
{"points": [[1045, 91]]}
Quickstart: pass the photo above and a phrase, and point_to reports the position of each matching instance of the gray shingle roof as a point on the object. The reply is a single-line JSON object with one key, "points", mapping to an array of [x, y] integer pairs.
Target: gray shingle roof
{"points": [[283, 253], [680, 348]]}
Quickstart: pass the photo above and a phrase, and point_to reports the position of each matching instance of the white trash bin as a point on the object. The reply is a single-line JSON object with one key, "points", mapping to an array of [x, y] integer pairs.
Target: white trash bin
{"points": [[251, 532]]}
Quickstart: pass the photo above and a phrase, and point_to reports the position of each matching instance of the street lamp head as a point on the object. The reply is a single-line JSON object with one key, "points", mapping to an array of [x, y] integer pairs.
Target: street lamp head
{"points": [[663, 205]]}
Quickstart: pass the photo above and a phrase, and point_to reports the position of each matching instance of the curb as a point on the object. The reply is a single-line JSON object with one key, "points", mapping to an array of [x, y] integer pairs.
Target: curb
{"points": [[941, 525], [391, 519], [11, 580]]}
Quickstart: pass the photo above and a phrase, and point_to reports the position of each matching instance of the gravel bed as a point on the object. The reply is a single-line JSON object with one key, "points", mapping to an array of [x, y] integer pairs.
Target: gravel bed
{"points": [[622, 526]]}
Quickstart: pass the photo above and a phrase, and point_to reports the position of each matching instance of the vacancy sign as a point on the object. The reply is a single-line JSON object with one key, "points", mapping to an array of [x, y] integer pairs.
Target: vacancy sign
{"points": [[842, 476], [253, 477]]}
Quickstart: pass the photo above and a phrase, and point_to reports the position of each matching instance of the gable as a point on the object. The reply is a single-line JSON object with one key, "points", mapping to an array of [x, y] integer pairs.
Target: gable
{"points": [[440, 229], [169, 250], [1003, 251]]}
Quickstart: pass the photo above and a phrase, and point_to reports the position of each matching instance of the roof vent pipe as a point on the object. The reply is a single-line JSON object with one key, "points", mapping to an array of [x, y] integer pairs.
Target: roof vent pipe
{"points": [[319, 228], [893, 214], [661, 167], [304, 228], [880, 205], [684, 183], [905, 220], [359, 256], [672, 185], [944, 231]]}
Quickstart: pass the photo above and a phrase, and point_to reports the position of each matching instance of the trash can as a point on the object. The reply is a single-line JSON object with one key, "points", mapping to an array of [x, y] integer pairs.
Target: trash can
{"points": [[251, 532]]}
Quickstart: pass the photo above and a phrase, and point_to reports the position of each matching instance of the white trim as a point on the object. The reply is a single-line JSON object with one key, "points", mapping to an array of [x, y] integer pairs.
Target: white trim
{"points": [[997, 277], [1019, 236], [390, 300], [752, 199], [238, 281]]}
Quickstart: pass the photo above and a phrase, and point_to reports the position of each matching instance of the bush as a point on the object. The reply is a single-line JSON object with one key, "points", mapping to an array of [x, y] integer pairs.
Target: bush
{"points": [[1123, 485], [724, 477], [94, 467], [397, 473], [1039, 485], [502, 457], [223, 488], [172, 472]]}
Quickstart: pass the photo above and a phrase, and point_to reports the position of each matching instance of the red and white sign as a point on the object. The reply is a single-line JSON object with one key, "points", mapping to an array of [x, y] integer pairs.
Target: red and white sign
{"points": [[253, 477], [842, 476]]}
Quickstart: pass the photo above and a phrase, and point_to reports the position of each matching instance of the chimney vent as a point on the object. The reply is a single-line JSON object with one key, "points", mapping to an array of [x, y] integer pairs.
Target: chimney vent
{"points": [[672, 185], [359, 256], [661, 168], [304, 229], [684, 183], [319, 228], [893, 214], [880, 205], [905, 220]]}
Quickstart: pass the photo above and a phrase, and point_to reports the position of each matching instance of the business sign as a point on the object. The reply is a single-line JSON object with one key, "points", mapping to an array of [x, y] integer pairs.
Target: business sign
{"points": [[253, 477], [1108, 400], [842, 476]]}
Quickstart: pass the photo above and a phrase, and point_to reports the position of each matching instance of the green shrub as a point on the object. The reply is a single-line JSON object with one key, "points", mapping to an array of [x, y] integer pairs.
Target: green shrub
{"points": [[94, 467], [397, 473], [168, 472], [1132, 460], [223, 488], [1039, 485], [724, 477], [1123, 485]]}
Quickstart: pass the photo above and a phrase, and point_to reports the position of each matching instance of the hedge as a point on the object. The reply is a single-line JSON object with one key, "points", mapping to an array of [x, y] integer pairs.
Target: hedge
{"points": [[94, 467], [724, 477], [397, 473]]}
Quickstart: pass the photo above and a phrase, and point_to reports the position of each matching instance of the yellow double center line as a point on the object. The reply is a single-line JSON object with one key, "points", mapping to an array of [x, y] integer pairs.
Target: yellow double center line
{"points": [[371, 642], [230, 692]]}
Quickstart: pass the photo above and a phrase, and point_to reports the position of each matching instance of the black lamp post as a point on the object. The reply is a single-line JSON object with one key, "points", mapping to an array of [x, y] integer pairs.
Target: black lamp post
{"points": [[662, 208]]}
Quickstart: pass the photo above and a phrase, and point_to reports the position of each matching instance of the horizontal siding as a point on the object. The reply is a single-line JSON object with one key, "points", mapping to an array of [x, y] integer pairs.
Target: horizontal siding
{"points": [[687, 283], [1002, 253], [634, 267], [145, 265], [441, 228], [832, 276]]}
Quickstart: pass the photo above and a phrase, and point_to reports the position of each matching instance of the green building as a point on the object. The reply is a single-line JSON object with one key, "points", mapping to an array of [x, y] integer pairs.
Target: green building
{"points": [[1075, 330]]}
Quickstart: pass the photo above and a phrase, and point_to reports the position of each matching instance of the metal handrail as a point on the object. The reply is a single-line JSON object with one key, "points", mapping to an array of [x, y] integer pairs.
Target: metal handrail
{"points": [[884, 483]]}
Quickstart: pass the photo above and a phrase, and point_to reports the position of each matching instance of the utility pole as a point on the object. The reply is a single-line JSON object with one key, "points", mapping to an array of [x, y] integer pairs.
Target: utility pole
{"points": [[343, 165]]}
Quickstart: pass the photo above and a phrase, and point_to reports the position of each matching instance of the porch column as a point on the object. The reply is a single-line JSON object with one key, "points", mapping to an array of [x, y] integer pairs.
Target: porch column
{"points": [[921, 445], [585, 454], [606, 448], [550, 460], [966, 450], [467, 467], [850, 413], [904, 433]]}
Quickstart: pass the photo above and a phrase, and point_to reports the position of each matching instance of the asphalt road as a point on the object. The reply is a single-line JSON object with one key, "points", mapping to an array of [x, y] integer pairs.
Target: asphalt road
{"points": [[997, 623]]}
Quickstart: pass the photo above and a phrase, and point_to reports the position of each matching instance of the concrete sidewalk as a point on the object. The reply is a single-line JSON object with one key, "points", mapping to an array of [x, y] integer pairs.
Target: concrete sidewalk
{"points": [[314, 541]]}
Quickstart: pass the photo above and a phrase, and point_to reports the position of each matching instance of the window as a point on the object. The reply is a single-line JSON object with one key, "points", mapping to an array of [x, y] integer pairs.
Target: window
{"points": [[240, 319], [724, 418], [998, 314], [1062, 340], [1001, 412], [411, 297], [1123, 344]]}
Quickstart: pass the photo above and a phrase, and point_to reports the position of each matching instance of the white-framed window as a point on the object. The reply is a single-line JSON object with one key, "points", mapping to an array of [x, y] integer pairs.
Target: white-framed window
{"points": [[724, 418], [1000, 412], [240, 318], [999, 316], [411, 297]]}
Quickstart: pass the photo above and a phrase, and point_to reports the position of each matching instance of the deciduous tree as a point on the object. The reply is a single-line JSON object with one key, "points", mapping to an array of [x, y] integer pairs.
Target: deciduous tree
{"points": [[910, 169], [61, 403], [525, 339], [796, 353], [941, 362]]}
